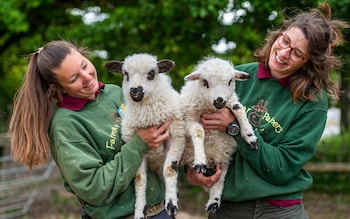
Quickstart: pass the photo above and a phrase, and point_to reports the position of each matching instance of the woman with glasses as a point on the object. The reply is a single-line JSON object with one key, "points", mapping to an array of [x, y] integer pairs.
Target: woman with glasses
{"points": [[286, 101]]}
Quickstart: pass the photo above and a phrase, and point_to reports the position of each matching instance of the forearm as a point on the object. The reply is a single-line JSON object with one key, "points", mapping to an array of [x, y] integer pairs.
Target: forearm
{"points": [[96, 181], [277, 164]]}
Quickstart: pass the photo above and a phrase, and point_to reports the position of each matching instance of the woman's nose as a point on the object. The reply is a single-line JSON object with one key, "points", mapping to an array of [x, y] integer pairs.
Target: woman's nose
{"points": [[86, 77], [285, 53]]}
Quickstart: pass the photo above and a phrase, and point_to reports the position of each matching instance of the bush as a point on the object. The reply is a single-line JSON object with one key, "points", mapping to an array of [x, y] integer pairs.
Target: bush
{"points": [[331, 183], [334, 148]]}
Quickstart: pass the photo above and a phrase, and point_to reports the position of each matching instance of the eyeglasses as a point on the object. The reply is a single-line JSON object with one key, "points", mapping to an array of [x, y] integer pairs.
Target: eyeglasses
{"points": [[295, 54]]}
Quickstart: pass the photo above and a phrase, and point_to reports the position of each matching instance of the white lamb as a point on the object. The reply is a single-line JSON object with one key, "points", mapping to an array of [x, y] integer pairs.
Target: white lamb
{"points": [[209, 87], [151, 100]]}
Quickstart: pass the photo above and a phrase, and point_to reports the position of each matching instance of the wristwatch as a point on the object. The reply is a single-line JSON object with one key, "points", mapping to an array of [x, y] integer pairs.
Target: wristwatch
{"points": [[233, 128]]}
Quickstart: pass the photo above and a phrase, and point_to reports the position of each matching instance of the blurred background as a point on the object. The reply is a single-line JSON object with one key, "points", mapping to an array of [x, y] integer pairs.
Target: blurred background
{"points": [[182, 30]]}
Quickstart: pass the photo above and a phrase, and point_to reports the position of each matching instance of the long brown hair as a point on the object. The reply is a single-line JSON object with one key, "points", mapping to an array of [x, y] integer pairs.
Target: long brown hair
{"points": [[34, 106], [323, 35]]}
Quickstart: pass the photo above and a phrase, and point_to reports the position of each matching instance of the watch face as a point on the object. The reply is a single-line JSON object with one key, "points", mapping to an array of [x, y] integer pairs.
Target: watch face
{"points": [[233, 129], [210, 172]]}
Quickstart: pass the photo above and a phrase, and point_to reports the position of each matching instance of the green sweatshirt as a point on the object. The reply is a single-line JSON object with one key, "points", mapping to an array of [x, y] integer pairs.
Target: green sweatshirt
{"points": [[288, 134], [94, 162]]}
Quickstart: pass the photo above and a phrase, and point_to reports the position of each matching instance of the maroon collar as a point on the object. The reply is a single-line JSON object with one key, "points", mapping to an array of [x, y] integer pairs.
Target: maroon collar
{"points": [[77, 104], [264, 72]]}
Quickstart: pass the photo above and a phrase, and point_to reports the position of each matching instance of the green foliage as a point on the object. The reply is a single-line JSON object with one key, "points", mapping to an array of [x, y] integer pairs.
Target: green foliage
{"points": [[334, 148], [179, 30], [184, 31], [332, 183]]}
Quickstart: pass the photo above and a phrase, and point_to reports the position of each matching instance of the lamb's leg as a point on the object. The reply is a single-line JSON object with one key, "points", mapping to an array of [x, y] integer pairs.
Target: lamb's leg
{"points": [[215, 192], [197, 135], [170, 172], [247, 131], [140, 190]]}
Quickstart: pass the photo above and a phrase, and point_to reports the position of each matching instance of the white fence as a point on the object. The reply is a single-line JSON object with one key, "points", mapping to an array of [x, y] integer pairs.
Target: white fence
{"points": [[19, 186]]}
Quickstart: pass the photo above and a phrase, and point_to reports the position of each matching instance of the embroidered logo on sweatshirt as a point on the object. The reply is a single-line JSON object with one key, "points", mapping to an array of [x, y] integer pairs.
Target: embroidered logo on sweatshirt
{"points": [[114, 137], [259, 113]]}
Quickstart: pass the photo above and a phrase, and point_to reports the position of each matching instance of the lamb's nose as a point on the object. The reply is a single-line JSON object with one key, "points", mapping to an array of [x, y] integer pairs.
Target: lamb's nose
{"points": [[219, 103], [136, 93], [135, 90]]}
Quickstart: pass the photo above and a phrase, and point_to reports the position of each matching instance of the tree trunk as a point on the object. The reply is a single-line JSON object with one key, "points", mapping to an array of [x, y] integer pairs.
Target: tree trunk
{"points": [[345, 105]]}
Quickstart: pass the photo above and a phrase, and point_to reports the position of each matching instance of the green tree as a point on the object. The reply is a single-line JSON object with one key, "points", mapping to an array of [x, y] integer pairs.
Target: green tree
{"points": [[183, 30], [341, 11]]}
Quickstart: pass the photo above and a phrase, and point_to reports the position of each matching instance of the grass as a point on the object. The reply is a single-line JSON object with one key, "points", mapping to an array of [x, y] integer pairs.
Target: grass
{"points": [[327, 206]]}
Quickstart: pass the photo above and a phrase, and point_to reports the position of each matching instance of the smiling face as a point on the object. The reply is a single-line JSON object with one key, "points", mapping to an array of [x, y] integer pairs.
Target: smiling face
{"points": [[77, 76], [288, 53]]}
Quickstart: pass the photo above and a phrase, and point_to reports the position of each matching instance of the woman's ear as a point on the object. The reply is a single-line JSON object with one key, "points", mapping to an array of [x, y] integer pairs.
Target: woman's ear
{"points": [[57, 88]]}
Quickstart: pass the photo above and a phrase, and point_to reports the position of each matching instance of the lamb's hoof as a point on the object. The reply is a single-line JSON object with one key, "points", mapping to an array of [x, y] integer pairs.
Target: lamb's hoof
{"points": [[251, 140], [210, 172], [213, 208], [171, 209], [200, 168], [254, 145]]}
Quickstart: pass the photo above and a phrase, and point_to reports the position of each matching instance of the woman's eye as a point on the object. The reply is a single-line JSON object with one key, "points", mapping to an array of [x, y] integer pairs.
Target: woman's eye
{"points": [[74, 78], [296, 53]]}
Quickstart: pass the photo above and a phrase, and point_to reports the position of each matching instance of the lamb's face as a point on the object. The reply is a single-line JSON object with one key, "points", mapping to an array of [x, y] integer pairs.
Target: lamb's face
{"points": [[220, 89], [215, 81], [140, 77], [216, 87]]}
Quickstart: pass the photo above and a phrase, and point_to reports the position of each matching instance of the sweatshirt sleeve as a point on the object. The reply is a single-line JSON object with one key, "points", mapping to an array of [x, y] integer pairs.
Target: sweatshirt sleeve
{"points": [[94, 181], [278, 162]]}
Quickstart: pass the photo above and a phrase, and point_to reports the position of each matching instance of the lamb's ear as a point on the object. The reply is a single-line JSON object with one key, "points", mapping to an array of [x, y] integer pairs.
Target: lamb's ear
{"points": [[114, 66], [165, 65], [193, 76], [241, 75]]}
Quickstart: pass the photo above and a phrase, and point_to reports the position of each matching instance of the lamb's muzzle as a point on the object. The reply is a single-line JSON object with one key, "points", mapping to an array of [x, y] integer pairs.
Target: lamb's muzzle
{"points": [[219, 103], [137, 93]]}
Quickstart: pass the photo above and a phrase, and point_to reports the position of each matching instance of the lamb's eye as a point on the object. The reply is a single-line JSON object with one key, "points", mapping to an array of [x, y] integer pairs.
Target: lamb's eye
{"points": [[150, 75], [126, 75], [230, 82], [206, 83]]}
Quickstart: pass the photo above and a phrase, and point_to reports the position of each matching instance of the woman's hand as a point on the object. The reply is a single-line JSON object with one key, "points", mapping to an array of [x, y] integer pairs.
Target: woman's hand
{"points": [[155, 135], [218, 119], [199, 179]]}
